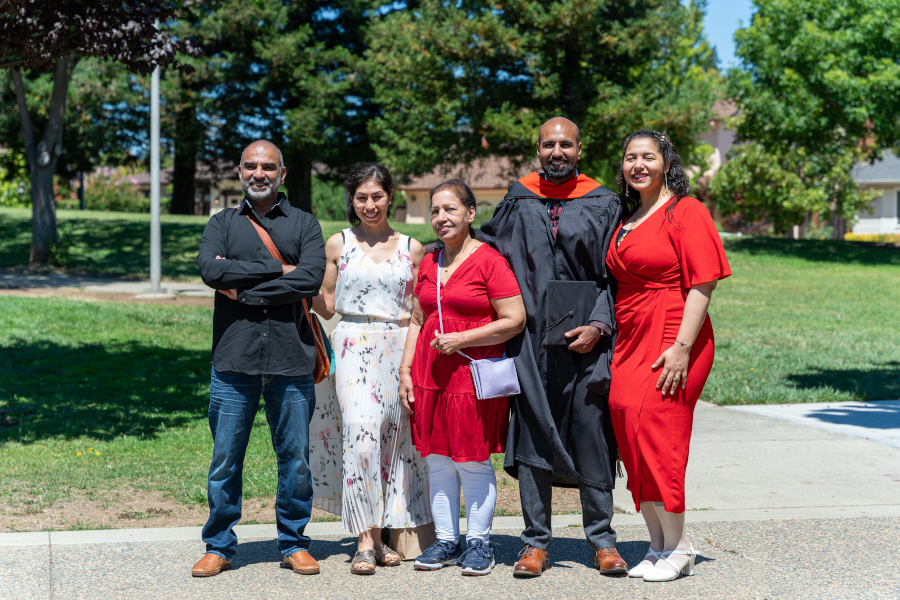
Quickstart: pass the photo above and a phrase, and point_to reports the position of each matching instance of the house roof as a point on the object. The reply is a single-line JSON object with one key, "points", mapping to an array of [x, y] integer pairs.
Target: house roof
{"points": [[725, 108], [492, 173], [223, 169], [884, 170]]}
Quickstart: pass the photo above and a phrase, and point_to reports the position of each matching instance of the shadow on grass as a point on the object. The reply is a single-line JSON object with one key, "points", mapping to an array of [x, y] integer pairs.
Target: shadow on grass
{"points": [[118, 247], [882, 382], [102, 391], [122, 247], [15, 240], [816, 250]]}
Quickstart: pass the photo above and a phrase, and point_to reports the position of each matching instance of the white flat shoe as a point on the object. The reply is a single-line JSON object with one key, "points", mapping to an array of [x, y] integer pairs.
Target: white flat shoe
{"points": [[657, 574], [645, 566]]}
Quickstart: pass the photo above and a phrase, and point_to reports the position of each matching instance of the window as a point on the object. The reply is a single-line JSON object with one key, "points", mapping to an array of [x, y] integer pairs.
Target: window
{"points": [[898, 207]]}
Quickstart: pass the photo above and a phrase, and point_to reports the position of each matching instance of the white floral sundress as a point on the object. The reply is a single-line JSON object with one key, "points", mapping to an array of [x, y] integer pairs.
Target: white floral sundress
{"points": [[364, 465]]}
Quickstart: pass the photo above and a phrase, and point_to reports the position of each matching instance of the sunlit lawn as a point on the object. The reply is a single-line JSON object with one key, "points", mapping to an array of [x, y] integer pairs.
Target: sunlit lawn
{"points": [[118, 244], [99, 396]]}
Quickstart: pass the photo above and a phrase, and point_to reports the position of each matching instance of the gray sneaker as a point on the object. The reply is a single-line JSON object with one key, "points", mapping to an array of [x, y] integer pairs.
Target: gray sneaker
{"points": [[478, 559], [438, 555]]}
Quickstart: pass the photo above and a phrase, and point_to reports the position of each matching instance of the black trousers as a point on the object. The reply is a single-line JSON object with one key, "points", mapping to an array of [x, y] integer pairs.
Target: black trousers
{"points": [[536, 495]]}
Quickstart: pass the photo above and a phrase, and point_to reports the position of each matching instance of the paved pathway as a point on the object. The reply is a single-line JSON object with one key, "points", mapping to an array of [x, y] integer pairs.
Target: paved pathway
{"points": [[784, 501], [18, 280], [777, 509], [875, 421]]}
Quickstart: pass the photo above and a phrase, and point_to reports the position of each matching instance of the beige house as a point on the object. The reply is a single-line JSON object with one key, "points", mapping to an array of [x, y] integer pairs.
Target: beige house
{"points": [[719, 137], [215, 188], [488, 178]]}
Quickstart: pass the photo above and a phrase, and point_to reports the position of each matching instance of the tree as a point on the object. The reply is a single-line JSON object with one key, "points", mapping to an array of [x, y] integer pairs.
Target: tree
{"points": [[818, 91], [55, 36], [468, 79], [788, 187]]}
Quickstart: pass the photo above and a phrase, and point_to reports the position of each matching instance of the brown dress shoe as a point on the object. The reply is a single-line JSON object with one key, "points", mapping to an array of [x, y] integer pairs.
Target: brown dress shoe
{"points": [[609, 562], [532, 562], [301, 562], [209, 565]]}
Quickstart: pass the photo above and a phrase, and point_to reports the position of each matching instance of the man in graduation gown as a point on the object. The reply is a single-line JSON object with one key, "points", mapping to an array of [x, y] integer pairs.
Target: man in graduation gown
{"points": [[555, 228]]}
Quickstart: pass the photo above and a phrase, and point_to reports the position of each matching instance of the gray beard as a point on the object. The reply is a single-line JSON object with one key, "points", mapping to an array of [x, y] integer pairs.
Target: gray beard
{"points": [[565, 171], [271, 189]]}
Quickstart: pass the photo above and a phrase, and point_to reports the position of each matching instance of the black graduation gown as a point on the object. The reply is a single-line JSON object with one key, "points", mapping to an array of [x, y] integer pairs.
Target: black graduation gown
{"points": [[560, 421]]}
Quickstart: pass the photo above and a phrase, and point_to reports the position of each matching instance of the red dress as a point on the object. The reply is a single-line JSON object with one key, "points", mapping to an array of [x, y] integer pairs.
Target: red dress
{"points": [[448, 418], [655, 266]]}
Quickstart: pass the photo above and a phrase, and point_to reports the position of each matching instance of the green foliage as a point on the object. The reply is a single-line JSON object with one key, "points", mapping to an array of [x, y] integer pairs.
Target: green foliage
{"points": [[328, 200], [470, 79], [785, 186], [98, 128], [14, 190], [820, 74], [819, 90]]}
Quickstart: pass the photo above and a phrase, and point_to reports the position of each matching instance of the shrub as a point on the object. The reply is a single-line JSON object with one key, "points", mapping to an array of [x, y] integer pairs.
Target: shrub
{"points": [[884, 238]]}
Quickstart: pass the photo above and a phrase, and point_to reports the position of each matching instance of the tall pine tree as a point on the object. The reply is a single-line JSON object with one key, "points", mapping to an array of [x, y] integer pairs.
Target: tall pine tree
{"points": [[469, 79]]}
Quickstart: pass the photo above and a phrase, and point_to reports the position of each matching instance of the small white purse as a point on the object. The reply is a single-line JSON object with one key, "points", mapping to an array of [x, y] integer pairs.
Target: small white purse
{"points": [[493, 377]]}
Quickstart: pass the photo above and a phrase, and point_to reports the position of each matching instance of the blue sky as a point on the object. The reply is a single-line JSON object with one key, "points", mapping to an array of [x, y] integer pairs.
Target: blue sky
{"points": [[723, 17]]}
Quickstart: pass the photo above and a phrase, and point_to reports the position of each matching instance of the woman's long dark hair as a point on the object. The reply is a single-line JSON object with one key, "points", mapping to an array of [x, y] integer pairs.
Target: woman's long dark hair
{"points": [[678, 181], [361, 175]]}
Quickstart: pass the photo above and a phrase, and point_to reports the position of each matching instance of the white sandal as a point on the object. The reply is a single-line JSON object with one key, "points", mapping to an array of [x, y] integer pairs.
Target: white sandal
{"points": [[641, 568], [657, 574]]}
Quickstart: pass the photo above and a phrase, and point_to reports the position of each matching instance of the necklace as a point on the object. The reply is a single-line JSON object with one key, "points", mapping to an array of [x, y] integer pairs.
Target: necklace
{"points": [[635, 223], [458, 254]]}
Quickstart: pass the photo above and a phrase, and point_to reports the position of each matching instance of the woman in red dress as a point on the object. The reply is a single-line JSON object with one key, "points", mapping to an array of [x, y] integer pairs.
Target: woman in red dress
{"points": [[666, 259], [482, 308]]}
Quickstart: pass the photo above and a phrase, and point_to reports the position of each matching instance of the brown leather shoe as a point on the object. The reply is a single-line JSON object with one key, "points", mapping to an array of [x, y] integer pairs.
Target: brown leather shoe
{"points": [[609, 562], [301, 562], [532, 562], [209, 565]]}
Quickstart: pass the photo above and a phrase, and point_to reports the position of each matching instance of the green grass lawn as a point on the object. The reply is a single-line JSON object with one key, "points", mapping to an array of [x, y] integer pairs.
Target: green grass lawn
{"points": [[98, 396], [118, 244], [806, 321]]}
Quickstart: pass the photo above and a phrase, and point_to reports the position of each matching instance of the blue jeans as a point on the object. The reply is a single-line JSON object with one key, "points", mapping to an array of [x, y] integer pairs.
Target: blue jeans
{"points": [[233, 403]]}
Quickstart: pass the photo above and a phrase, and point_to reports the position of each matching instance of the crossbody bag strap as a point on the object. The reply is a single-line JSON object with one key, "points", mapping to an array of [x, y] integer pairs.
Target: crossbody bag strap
{"points": [[273, 250], [440, 314], [267, 240]]}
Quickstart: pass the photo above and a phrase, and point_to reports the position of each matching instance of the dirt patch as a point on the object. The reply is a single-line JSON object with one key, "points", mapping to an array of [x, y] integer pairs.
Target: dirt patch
{"points": [[119, 509], [137, 509], [85, 296], [565, 500]]}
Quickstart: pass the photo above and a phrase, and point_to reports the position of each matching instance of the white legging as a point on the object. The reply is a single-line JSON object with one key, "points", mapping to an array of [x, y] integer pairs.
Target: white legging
{"points": [[479, 484]]}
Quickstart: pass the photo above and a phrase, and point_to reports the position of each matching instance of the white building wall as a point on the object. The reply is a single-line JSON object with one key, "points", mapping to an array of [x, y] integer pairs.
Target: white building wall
{"points": [[881, 215]]}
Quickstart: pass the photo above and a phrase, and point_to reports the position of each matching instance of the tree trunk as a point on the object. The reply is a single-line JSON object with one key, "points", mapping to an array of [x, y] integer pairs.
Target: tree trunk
{"points": [[42, 157], [298, 181], [43, 214], [185, 165]]}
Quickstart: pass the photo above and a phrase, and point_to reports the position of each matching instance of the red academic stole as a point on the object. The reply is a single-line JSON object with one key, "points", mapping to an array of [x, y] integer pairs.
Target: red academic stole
{"points": [[574, 188]]}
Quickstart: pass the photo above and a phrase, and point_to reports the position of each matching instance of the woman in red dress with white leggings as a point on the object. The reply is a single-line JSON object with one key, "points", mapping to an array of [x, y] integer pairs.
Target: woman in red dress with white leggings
{"points": [[481, 308], [667, 259]]}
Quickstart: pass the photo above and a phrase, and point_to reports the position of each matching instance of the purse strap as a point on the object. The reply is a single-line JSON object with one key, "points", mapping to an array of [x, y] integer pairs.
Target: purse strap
{"points": [[440, 314], [273, 250]]}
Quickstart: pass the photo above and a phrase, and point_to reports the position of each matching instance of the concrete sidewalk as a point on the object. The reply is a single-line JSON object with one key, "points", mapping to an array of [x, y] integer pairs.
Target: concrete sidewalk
{"points": [[20, 280], [777, 509]]}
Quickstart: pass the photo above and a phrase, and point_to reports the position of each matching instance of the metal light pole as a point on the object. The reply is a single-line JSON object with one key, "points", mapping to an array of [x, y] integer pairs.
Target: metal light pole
{"points": [[155, 236]]}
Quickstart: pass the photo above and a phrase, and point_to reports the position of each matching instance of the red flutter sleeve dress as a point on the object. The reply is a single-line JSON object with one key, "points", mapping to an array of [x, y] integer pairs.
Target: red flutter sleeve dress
{"points": [[655, 266], [448, 418]]}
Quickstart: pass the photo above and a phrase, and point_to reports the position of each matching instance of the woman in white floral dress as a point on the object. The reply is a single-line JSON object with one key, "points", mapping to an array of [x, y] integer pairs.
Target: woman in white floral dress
{"points": [[364, 465]]}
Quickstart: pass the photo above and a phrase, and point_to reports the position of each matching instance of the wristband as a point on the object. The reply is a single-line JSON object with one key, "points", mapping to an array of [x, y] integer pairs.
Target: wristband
{"points": [[683, 344]]}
